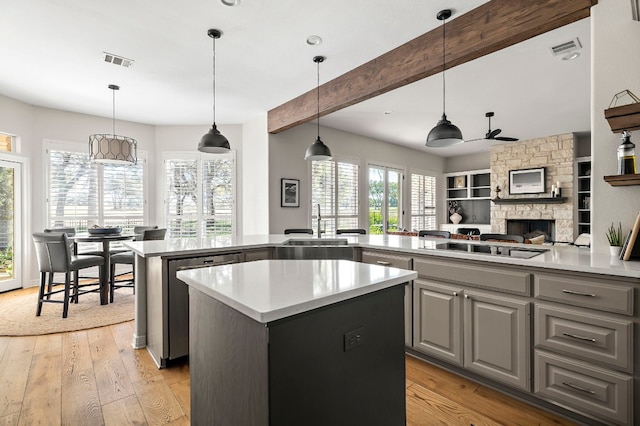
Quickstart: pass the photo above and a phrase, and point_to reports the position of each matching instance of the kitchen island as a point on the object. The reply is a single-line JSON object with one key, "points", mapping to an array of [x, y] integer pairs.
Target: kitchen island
{"points": [[311, 342], [568, 318]]}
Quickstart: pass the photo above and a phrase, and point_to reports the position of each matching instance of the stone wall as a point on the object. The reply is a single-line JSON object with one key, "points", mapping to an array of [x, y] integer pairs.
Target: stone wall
{"points": [[556, 154]]}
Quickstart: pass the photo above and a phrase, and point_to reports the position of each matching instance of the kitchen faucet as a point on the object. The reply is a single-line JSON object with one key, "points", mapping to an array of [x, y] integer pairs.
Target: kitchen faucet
{"points": [[319, 219]]}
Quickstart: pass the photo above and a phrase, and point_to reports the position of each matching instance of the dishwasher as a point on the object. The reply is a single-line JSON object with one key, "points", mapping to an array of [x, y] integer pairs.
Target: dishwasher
{"points": [[177, 301]]}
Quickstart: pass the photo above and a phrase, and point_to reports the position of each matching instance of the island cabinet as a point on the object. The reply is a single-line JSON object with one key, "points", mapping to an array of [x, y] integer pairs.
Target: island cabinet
{"points": [[485, 332], [397, 261], [584, 345]]}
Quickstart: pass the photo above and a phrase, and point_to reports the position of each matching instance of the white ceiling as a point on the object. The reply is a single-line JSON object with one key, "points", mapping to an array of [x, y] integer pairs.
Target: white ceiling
{"points": [[51, 56]]}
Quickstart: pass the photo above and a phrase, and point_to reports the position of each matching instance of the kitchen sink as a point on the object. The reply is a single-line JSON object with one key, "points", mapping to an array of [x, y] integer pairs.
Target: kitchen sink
{"points": [[316, 242]]}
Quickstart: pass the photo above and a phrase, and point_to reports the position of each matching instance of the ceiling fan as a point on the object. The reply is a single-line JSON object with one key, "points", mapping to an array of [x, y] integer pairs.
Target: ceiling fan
{"points": [[493, 134]]}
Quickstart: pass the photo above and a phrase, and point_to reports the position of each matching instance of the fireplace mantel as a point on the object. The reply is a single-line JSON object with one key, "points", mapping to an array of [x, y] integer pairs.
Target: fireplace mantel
{"points": [[532, 200]]}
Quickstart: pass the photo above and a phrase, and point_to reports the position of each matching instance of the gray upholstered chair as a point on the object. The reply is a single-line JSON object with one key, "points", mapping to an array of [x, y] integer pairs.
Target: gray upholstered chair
{"points": [[128, 258], [351, 231], [70, 231], [308, 231], [55, 255]]}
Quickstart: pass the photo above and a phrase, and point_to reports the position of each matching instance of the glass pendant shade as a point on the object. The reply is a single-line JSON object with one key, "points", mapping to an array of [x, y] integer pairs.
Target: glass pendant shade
{"points": [[444, 134], [318, 151], [113, 148], [214, 142]]}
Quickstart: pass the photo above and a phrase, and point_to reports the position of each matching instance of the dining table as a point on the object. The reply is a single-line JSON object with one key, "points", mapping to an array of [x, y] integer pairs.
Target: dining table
{"points": [[106, 240]]}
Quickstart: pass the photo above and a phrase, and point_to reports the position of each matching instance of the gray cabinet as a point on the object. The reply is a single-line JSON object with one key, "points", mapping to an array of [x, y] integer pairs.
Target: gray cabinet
{"points": [[401, 262], [483, 332]]}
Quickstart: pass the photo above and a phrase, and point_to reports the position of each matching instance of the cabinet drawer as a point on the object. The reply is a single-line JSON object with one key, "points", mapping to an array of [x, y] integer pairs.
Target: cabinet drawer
{"points": [[589, 294], [402, 262], [592, 390], [497, 277], [585, 335]]}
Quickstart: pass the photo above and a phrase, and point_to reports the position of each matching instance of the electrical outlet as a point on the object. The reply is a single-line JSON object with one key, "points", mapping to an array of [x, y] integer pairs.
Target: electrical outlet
{"points": [[353, 338]]}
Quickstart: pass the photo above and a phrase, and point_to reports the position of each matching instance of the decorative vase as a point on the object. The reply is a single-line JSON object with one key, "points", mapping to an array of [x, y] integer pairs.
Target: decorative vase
{"points": [[455, 218], [615, 250]]}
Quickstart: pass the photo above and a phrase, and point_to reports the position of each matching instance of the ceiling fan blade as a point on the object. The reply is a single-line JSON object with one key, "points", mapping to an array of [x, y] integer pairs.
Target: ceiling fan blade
{"points": [[473, 140], [493, 133], [506, 139]]}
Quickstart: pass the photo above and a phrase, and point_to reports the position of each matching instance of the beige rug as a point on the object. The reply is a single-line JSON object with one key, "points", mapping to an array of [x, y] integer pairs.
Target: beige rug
{"points": [[18, 313]]}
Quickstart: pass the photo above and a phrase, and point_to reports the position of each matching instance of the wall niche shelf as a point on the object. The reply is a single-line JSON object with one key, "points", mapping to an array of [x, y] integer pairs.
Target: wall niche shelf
{"points": [[532, 200], [623, 180], [626, 117]]}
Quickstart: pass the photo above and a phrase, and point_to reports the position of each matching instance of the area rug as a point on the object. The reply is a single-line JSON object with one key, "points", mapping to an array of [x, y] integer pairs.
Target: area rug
{"points": [[18, 313]]}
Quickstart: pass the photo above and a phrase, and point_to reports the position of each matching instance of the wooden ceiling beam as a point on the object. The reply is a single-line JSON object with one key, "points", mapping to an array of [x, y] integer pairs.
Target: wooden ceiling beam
{"points": [[483, 30]]}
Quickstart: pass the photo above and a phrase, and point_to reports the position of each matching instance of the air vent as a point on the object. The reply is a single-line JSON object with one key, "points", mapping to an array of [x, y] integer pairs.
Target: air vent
{"points": [[564, 48], [117, 60]]}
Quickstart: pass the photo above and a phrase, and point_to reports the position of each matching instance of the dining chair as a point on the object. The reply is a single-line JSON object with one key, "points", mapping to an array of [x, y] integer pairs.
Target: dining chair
{"points": [[55, 255], [71, 231], [308, 231], [137, 231], [503, 238], [128, 258], [351, 231], [468, 231], [434, 233]]}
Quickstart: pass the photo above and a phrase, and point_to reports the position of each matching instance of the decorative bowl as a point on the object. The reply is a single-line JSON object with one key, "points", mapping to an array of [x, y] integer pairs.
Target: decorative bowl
{"points": [[105, 231]]}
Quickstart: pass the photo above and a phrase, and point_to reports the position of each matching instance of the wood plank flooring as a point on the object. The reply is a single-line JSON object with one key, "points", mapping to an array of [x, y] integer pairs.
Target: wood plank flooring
{"points": [[94, 377]]}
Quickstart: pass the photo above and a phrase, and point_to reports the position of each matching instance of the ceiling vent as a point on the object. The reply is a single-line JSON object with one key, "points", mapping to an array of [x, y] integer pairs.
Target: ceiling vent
{"points": [[567, 50], [117, 60]]}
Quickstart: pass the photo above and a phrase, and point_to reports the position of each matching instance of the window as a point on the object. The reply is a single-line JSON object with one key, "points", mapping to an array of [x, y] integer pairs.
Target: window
{"points": [[6, 142], [200, 194], [334, 186], [423, 202], [82, 193], [385, 199]]}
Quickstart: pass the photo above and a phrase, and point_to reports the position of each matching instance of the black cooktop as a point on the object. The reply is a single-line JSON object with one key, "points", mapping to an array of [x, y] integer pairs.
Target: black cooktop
{"points": [[492, 250]]}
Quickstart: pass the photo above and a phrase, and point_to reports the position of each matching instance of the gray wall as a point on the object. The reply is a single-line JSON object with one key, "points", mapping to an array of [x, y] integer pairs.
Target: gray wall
{"points": [[463, 163], [286, 160]]}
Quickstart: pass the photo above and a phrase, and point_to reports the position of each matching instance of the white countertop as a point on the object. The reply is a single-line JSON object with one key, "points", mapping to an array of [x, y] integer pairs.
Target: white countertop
{"points": [[561, 257], [268, 290]]}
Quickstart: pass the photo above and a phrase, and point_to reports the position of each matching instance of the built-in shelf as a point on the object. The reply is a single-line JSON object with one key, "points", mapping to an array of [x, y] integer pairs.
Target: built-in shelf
{"points": [[623, 180], [533, 200]]}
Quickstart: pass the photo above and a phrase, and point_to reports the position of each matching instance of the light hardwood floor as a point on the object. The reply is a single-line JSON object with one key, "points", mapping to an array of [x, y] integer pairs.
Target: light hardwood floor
{"points": [[94, 377]]}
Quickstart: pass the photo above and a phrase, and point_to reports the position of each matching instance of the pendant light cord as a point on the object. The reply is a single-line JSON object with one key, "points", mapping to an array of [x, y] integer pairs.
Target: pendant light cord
{"points": [[318, 95], [444, 36], [114, 111], [214, 80]]}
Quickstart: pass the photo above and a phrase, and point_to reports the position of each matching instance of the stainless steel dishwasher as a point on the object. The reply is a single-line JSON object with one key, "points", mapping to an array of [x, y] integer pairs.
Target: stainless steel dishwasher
{"points": [[177, 298]]}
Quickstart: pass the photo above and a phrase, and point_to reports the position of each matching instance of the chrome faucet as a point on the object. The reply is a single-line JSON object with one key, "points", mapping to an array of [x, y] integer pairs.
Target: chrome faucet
{"points": [[319, 219]]}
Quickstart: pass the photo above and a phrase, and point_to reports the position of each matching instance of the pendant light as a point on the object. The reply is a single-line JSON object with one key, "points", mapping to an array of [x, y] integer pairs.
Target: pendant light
{"points": [[318, 151], [214, 142], [113, 148], [445, 133]]}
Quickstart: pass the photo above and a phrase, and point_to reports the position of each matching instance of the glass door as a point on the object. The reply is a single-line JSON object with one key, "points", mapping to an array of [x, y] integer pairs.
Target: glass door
{"points": [[10, 225], [385, 202]]}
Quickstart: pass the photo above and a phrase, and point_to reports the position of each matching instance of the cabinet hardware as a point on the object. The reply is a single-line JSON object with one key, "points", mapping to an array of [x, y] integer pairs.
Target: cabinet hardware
{"points": [[455, 293], [466, 296], [574, 336], [578, 293], [581, 389], [382, 262]]}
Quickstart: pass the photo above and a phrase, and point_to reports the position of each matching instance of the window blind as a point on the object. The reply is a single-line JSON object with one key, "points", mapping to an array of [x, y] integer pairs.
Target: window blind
{"points": [[334, 185], [423, 202]]}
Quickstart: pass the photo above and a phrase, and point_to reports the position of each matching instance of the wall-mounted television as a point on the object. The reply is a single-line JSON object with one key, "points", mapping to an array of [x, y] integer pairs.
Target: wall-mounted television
{"points": [[527, 181]]}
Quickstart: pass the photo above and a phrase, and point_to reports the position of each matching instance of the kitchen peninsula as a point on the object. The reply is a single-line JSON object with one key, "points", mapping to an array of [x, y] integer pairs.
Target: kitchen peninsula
{"points": [[263, 333], [560, 329]]}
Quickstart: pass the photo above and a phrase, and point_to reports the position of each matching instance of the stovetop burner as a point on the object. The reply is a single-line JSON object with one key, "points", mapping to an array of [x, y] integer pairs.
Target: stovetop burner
{"points": [[492, 250]]}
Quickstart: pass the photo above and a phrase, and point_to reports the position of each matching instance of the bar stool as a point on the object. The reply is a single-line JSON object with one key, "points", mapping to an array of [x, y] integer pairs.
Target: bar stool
{"points": [[308, 231], [54, 254], [351, 231], [434, 233]]}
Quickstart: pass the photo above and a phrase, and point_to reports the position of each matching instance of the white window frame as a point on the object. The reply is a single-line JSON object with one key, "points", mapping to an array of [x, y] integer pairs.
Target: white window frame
{"points": [[83, 148], [199, 157], [334, 216], [423, 174], [402, 202]]}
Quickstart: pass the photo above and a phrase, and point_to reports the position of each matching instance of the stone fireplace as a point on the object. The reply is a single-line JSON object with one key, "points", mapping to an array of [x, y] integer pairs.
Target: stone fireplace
{"points": [[531, 228], [556, 155]]}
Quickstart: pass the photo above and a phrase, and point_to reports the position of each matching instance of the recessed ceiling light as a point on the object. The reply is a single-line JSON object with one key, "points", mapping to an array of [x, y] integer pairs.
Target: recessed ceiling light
{"points": [[230, 2], [570, 56], [388, 112], [314, 40]]}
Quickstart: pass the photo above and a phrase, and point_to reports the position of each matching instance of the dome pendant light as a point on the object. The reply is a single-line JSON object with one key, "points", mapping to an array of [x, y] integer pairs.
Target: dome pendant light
{"points": [[214, 142], [113, 148], [318, 151], [445, 133]]}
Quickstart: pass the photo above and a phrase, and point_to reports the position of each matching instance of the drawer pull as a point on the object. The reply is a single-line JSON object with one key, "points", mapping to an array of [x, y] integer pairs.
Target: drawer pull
{"points": [[581, 389], [578, 293], [575, 336], [382, 262], [455, 293]]}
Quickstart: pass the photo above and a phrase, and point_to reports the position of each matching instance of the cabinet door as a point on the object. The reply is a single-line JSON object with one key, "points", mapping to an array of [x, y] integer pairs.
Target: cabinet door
{"points": [[437, 322], [496, 339]]}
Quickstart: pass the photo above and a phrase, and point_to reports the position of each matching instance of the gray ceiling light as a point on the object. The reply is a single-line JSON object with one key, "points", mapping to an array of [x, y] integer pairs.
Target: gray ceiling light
{"points": [[214, 142], [318, 151], [445, 133], [113, 148]]}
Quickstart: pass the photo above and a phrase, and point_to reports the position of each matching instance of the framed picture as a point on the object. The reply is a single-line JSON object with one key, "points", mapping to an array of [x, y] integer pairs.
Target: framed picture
{"points": [[460, 181], [527, 181], [289, 192]]}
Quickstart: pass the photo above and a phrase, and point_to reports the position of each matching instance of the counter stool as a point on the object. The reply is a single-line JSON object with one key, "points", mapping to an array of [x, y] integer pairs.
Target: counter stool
{"points": [[308, 231], [434, 233], [54, 254]]}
